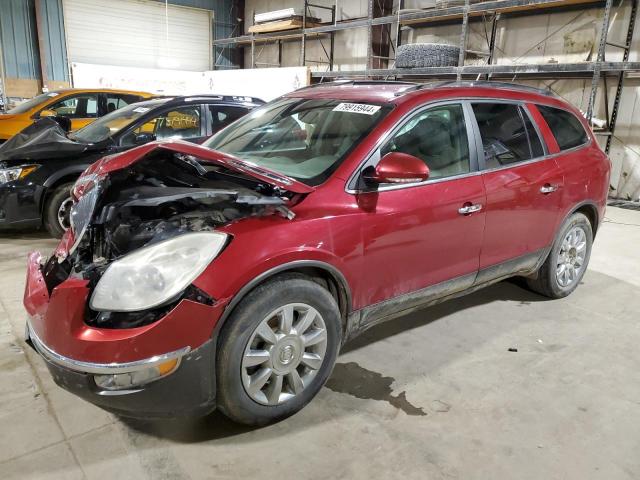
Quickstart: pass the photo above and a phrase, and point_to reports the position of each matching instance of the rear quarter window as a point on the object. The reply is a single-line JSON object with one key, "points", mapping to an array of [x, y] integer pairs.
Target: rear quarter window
{"points": [[566, 128]]}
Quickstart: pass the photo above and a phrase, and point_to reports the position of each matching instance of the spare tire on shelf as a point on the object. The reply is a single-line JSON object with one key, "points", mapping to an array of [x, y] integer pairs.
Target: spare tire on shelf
{"points": [[413, 55]]}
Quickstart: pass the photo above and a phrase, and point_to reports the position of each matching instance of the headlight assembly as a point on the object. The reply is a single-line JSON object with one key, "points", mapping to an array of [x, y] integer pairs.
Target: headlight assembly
{"points": [[157, 273], [15, 173]]}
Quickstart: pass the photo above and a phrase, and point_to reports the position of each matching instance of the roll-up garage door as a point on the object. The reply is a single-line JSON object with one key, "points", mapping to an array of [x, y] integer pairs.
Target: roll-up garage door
{"points": [[133, 33]]}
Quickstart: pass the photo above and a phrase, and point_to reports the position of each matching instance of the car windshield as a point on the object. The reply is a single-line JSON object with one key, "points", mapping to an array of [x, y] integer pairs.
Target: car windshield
{"points": [[34, 102], [300, 138], [107, 126]]}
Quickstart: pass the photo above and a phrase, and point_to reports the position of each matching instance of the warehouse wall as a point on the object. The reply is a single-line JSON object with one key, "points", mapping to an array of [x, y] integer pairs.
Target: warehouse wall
{"points": [[19, 43], [351, 45], [570, 36]]}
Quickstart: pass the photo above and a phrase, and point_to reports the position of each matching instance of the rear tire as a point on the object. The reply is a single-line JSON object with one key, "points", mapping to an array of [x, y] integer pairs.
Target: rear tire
{"points": [[567, 262], [265, 374], [57, 208]]}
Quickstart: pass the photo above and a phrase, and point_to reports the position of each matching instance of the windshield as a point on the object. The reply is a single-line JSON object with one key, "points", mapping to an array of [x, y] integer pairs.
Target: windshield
{"points": [[300, 138], [105, 127], [24, 107]]}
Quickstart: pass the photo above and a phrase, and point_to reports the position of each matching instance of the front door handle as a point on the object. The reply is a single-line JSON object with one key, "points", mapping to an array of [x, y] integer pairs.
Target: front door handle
{"points": [[547, 188], [469, 209]]}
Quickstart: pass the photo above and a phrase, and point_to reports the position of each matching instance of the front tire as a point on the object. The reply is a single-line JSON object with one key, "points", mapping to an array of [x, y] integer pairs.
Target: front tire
{"points": [[57, 210], [277, 350], [567, 262]]}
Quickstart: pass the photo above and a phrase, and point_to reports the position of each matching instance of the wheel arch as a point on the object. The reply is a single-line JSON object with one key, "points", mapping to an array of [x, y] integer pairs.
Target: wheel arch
{"points": [[320, 272], [589, 210], [66, 175]]}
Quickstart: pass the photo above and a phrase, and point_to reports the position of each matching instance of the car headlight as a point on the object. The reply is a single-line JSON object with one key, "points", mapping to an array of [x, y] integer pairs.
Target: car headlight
{"points": [[15, 173], [82, 213], [157, 273]]}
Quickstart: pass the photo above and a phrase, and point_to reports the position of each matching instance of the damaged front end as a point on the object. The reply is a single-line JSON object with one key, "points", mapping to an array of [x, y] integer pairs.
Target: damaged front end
{"points": [[142, 233]]}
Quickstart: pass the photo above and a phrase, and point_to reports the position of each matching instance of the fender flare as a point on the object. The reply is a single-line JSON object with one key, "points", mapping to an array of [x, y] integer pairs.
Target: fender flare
{"points": [[574, 209], [335, 273], [64, 172]]}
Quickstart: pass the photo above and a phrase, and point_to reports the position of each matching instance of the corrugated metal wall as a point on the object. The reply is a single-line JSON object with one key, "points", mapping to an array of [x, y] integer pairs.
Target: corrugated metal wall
{"points": [[55, 49], [18, 39]]}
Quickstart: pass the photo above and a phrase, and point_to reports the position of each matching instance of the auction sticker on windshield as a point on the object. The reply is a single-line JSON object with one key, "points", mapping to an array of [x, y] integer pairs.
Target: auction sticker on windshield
{"points": [[357, 108]]}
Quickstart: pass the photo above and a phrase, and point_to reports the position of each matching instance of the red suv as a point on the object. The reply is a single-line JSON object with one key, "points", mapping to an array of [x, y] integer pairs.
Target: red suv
{"points": [[229, 275]]}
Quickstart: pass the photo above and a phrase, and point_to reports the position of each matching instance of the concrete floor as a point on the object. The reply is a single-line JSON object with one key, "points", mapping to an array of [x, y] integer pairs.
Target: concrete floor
{"points": [[432, 395]]}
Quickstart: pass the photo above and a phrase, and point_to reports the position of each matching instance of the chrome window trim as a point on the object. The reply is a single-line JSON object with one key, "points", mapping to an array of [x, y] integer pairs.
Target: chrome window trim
{"points": [[100, 368], [473, 126], [375, 151]]}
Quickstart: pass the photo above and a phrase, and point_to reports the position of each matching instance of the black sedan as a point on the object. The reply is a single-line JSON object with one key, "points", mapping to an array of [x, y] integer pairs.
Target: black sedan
{"points": [[39, 165]]}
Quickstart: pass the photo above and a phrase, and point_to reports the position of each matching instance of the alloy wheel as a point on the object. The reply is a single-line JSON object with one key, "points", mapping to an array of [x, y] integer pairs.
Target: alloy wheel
{"points": [[571, 257], [64, 212], [284, 354]]}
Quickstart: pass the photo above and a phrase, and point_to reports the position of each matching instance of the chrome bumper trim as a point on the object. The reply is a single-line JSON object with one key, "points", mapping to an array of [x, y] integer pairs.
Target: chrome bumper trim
{"points": [[99, 368]]}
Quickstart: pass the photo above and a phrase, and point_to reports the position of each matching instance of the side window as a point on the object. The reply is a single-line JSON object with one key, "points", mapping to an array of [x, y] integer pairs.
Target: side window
{"points": [[180, 122], [566, 128], [437, 136], [117, 101], [223, 115], [508, 136], [77, 106]]}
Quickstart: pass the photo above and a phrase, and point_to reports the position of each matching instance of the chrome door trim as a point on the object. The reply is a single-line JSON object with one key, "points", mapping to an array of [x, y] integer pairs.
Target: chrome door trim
{"points": [[374, 154]]}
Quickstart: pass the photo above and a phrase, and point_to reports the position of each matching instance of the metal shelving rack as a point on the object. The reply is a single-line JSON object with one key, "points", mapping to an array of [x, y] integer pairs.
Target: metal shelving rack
{"points": [[598, 70]]}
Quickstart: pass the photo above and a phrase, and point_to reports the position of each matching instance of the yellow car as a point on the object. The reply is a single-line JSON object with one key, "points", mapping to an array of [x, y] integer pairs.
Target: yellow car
{"points": [[81, 106]]}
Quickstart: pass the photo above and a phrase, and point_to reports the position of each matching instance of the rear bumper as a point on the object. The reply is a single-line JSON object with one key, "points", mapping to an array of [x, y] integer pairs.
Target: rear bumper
{"points": [[188, 391]]}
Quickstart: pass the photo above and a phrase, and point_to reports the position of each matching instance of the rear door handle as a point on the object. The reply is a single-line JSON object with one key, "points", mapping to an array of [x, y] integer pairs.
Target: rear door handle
{"points": [[548, 188], [468, 209]]}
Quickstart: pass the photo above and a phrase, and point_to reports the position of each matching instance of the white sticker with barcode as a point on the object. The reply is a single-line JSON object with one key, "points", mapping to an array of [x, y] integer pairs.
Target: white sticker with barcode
{"points": [[357, 108]]}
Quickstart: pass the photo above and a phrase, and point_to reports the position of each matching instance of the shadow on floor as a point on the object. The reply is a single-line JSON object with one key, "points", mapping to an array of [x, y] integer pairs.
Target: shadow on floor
{"points": [[349, 378]]}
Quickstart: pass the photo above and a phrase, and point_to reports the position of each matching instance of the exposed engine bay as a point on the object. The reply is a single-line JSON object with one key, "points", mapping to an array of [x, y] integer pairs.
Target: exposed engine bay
{"points": [[159, 197]]}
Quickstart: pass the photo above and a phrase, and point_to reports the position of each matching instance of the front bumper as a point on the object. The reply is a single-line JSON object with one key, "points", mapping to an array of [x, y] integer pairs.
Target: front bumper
{"points": [[189, 390], [75, 351], [20, 205]]}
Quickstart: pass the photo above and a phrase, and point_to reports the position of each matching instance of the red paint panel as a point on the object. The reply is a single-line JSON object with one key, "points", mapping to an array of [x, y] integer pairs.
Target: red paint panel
{"points": [[60, 325], [520, 218]]}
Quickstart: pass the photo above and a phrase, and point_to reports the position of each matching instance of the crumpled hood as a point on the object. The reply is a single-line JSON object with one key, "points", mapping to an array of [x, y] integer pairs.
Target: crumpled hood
{"points": [[123, 160], [43, 139]]}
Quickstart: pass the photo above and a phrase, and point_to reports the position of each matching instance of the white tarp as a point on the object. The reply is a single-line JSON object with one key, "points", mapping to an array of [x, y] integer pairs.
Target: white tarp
{"points": [[264, 83]]}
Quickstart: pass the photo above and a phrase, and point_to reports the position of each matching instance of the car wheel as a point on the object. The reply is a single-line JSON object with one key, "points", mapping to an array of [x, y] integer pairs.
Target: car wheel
{"points": [[277, 350], [58, 209], [567, 262]]}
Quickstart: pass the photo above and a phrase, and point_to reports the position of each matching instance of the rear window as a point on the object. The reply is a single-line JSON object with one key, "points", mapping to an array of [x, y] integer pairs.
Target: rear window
{"points": [[566, 128], [507, 134]]}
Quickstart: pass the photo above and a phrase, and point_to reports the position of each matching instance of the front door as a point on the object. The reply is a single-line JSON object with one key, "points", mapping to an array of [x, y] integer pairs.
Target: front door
{"points": [[81, 109], [425, 234], [523, 202]]}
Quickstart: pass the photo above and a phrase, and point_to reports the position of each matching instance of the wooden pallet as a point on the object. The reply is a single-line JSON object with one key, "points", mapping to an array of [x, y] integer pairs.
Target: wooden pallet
{"points": [[292, 23]]}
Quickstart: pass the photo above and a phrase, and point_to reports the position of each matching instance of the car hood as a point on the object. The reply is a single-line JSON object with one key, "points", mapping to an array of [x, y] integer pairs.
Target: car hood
{"points": [[8, 116], [41, 140], [124, 160]]}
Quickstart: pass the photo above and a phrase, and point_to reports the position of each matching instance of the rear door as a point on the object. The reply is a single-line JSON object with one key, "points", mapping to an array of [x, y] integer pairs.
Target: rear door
{"points": [[522, 184], [418, 235], [80, 108], [182, 122]]}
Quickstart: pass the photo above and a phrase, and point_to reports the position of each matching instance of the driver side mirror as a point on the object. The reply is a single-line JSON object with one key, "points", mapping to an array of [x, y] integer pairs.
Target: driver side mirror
{"points": [[143, 137], [47, 113], [397, 167]]}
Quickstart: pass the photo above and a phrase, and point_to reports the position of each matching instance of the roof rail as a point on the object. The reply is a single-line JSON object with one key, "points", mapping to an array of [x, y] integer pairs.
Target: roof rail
{"points": [[347, 81], [481, 83]]}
